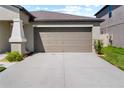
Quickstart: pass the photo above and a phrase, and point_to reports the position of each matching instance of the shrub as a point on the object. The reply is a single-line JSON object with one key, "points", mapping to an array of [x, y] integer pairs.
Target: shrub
{"points": [[98, 46], [2, 68], [14, 56]]}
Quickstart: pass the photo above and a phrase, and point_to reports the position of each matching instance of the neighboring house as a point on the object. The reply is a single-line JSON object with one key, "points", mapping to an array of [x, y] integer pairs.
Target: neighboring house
{"points": [[113, 26], [42, 31]]}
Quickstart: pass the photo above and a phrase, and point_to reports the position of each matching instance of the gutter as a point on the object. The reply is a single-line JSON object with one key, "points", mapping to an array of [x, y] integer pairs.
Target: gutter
{"points": [[73, 20]]}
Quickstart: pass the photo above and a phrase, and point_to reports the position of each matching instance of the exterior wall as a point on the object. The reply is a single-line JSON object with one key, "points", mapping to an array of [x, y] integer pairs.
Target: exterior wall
{"points": [[8, 12], [95, 32], [29, 34], [118, 35], [95, 35], [24, 17], [5, 33], [105, 39], [113, 26], [28, 31], [104, 13], [116, 19]]}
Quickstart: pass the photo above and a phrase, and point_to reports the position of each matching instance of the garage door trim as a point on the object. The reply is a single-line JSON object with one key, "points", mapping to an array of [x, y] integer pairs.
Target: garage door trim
{"points": [[77, 25]]}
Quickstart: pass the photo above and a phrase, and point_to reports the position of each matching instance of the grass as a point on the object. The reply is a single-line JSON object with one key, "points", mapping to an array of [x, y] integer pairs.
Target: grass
{"points": [[2, 68], [114, 56]]}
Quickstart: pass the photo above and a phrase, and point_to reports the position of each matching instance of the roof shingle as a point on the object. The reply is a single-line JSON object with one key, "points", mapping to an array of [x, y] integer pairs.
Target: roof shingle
{"points": [[54, 16]]}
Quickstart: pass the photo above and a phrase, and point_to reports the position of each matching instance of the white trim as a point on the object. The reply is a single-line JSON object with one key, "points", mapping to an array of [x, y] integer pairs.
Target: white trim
{"points": [[63, 25]]}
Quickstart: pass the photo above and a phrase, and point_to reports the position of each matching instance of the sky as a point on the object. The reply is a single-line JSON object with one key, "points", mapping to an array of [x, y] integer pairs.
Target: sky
{"points": [[81, 10]]}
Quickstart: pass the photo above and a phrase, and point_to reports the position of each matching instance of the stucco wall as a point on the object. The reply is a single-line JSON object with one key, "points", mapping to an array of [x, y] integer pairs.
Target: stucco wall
{"points": [[8, 12], [116, 19], [29, 34], [114, 26], [117, 32], [96, 32], [24, 17], [5, 33]]}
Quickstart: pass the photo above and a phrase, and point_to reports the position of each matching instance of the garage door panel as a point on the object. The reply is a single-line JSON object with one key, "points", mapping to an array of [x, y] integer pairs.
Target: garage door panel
{"points": [[53, 48], [62, 40], [66, 36], [66, 39], [76, 40], [75, 50], [53, 43], [76, 45]]}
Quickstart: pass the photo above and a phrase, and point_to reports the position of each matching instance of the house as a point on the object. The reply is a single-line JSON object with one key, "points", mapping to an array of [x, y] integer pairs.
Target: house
{"points": [[43, 31], [112, 29]]}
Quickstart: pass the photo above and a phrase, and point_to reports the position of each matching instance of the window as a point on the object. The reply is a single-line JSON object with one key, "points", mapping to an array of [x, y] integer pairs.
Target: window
{"points": [[110, 11]]}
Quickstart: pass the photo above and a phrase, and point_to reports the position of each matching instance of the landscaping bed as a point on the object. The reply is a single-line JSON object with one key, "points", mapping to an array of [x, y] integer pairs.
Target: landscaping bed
{"points": [[12, 57], [114, 56]]}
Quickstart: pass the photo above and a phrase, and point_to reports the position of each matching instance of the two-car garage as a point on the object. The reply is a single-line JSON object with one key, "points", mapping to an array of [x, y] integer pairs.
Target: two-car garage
{"points": [[63, 39], [59, 32]]}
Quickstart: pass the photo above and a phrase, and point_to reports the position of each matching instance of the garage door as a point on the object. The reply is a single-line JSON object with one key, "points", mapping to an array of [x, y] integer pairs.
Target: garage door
{"points": [[63, 39]]}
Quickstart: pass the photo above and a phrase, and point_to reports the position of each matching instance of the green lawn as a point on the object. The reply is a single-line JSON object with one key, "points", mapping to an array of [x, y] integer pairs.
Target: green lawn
{"points": [[114, 55], [2, 68]]}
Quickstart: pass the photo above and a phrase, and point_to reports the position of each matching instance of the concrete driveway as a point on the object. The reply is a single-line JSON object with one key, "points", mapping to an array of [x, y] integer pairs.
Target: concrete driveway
{"points": [[62, 70]]}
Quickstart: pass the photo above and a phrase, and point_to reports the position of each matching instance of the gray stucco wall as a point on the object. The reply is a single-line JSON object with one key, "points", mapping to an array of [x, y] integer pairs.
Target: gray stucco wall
{"points": [[29, 34], [8, 12], [117, 32], [114, 26], [5, 33], [24, 17]]}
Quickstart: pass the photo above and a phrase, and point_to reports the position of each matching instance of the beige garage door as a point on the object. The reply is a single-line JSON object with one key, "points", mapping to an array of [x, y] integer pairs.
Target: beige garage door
{"points": [[63, 40]]}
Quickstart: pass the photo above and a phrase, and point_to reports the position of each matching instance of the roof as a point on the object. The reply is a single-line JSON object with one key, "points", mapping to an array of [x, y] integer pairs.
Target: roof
{"points": [[101, 9], [54, 16], [24, 10]]}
